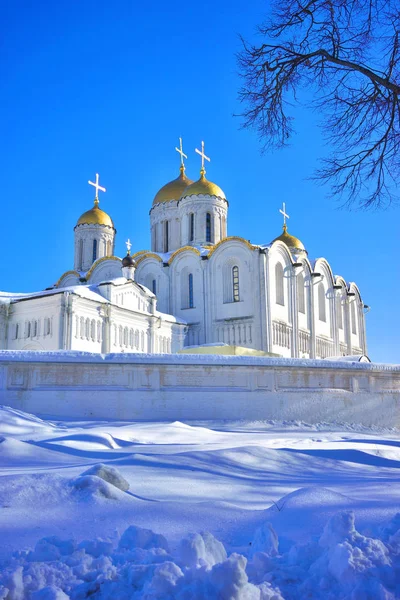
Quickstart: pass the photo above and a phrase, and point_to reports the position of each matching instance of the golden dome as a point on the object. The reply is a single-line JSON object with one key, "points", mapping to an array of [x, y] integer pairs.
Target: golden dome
{"points": [[95, 216], [205, 187], [290, 240], [173, 190]]}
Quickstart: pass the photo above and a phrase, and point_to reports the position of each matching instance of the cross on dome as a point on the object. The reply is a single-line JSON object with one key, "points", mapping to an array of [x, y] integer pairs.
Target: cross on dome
{"points": [[97, 187], [203, 156], [181, 152], [285, 215], [128, 246]]}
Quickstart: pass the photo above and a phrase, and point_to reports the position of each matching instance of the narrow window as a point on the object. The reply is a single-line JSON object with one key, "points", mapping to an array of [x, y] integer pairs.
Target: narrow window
{"points": [[208, 227], [340, 312], [321, 303], [16, 331], [80, 257], [191, 304], [166, 236], [94, 250], [34, 334], [279, 289], [235, 281], [28, 332], [154, 287], [301, 301], [353, 318], [155, 237], [191, 227]]}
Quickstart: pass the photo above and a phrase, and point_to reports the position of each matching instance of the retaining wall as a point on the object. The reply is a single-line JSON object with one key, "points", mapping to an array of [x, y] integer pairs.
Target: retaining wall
{"points": [[189, 387]]}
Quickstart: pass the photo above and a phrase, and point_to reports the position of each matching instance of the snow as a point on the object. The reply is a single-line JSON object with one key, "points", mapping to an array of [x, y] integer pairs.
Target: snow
{"points": [[72, 356], [216, 510]]}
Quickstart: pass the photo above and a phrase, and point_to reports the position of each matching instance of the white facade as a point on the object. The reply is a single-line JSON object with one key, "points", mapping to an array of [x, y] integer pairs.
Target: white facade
{"points": [[208, 286]]}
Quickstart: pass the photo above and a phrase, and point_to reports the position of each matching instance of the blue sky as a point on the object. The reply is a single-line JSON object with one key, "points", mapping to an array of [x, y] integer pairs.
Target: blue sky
{"points": [[97, 86]]}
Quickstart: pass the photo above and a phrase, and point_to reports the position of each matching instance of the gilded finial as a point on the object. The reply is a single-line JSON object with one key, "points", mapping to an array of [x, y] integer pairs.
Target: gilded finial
{"points": [[183, 155], [285, 216], [97, 187], [128, 246], [203, 156]]}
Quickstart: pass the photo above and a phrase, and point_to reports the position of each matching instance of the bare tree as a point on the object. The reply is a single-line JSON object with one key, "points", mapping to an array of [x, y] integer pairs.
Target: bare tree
{"points": [[346, 52]]}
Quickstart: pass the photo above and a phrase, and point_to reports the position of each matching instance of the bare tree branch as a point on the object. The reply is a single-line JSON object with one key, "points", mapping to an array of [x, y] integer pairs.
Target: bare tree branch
{"points": [[346, 54]]}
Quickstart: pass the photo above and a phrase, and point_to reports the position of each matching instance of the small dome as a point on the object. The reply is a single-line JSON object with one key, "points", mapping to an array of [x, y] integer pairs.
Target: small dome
{"points": [[128, 261], [290, 240], [95, 216], [204, 187], [172, 190]]}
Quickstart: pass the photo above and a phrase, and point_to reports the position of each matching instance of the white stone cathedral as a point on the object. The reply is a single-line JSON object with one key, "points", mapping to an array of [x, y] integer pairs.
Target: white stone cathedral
{"points": [[197, 285]]}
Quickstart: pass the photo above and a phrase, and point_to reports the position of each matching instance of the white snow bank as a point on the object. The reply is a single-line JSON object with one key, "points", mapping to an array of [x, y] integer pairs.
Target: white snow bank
{"points": [[90, 486], [109, 474], [341, 565]]}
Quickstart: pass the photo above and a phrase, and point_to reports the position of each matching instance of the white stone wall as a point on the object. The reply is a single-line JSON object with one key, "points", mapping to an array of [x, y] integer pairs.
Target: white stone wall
{"points": [[189, 387], [199, 206], [159, 214], [85, 235]]}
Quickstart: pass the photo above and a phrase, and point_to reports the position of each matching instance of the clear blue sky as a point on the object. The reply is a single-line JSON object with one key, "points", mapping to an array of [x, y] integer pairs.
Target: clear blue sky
{"points": [[106, 86]]}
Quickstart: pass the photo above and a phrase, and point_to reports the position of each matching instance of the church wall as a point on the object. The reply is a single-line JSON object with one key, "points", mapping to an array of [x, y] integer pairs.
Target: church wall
{"points": [[186, 305], [84, 237], [200, 206], [186, 387], [281, 283], [233, 295], [150, 270], [34, 324], [159, 214]]}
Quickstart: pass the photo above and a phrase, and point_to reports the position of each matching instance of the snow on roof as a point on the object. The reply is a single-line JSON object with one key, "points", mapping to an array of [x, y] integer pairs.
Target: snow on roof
{"points": [[84, 291]]}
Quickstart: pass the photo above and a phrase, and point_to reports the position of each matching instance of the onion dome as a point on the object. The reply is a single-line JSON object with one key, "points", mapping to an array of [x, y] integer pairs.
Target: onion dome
{"points": [[290, 240], [203, 187], [173, 190], [128, 261], [95, 216]]}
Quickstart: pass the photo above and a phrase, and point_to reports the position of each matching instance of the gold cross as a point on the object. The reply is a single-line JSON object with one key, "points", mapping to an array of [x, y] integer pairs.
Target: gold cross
{"points": [[285, 215], [203, 156], [128, 246], [181, 152], [98, 187]]}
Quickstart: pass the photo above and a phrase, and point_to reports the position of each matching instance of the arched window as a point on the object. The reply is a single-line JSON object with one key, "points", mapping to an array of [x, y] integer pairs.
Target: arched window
{"points": [[94, 250], [279, 288], [131, 338], [191, 301], [301, 300], [142, 338], [191, 227], [154, 287], [120, 340], [34, 329], [235, 283], [321, 302], [353, 318], [208, 227], [28, 329], [125, 336], [166, 236]]}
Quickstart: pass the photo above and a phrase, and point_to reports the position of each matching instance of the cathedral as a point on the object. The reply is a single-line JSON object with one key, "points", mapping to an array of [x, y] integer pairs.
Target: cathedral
{"points": [[195, 286]]}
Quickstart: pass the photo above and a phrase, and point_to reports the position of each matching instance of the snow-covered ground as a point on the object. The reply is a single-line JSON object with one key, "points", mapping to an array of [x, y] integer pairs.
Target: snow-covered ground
{"points": [[252, 511]]}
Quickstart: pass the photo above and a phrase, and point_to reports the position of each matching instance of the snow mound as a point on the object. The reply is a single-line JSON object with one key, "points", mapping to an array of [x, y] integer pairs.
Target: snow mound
{"points": [[91, 486], [201, 549], [341, 564], [109, 474], [16, 422], [136, 537]]}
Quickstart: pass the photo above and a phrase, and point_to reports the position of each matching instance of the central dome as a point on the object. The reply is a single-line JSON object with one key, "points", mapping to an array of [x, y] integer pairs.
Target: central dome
{"points": [[172, 190], [290, 240], [203, 187], [95, 216]]}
